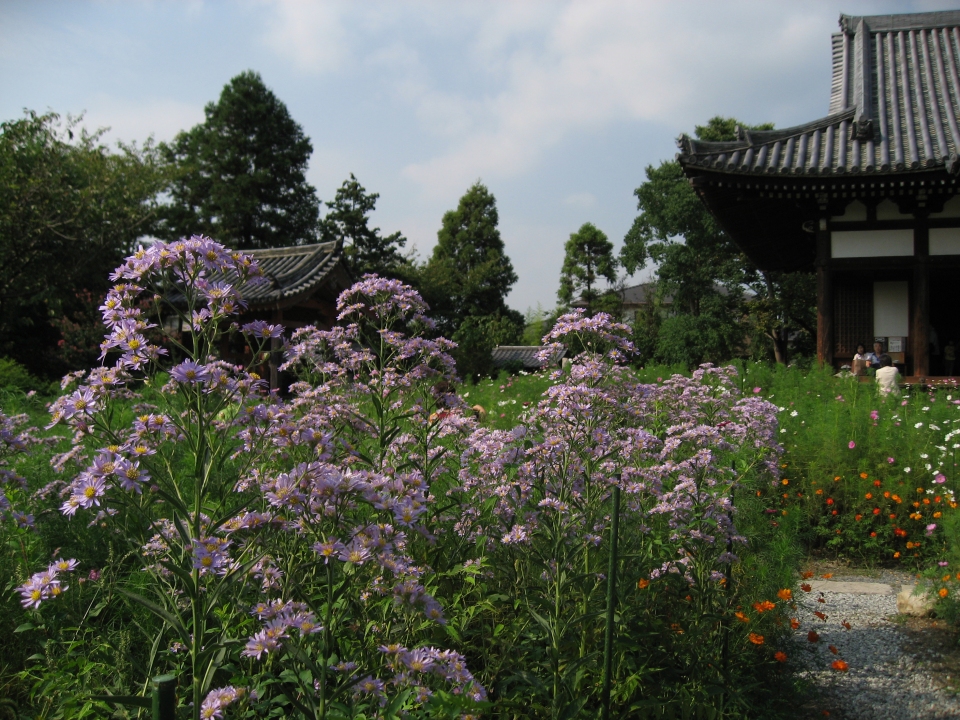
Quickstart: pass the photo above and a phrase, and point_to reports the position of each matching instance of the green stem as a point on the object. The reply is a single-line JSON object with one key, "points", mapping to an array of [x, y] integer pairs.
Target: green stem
{"points": [[611, 604]]}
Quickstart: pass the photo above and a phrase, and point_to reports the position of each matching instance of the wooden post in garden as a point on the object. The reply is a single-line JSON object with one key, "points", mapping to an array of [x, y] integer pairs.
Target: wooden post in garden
{"points": [[611, 604], [921, 297], [824, 296], [164, 697]]}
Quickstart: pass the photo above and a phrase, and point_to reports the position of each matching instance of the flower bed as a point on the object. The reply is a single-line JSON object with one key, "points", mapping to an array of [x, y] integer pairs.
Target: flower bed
{"points": [[367, 548]]}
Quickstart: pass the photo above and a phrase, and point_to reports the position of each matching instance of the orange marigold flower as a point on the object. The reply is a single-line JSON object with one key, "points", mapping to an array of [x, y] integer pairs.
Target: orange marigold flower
{"points": [[819, 491], [864, 475], [805, 587], [869, 496], [833, 649], [938, 514], [876, 511], [762, 607], [909, 545], [893, 516], [946, 578], [839, 666], [827, 576], [944, 592], [676, 628], [643, 583], [919, 490], [741, 617], [887, 494], [785, 594], [785, 481], [812, 636], [873, 534], [829, 501], [780, 656], [876, 483], [896, 554], [755, 639], [837, 479], [958, 576], [794, 623], [806, 575]]}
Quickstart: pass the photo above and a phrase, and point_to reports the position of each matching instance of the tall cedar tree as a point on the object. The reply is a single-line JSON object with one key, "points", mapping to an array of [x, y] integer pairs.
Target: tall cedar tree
{"points": [[242, 173], [70, 210], [365, 249], [466, 282], [589, 257], [703, 272], [469, 273]]}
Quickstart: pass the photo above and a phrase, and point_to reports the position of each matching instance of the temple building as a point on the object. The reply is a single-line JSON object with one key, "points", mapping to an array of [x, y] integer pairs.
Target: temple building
{"points": [[866, 197], [303, 283]]}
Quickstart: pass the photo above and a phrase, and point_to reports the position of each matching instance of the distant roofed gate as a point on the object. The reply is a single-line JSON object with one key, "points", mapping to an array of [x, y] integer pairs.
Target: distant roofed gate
{"points": [[303, 283], [867, 197]]}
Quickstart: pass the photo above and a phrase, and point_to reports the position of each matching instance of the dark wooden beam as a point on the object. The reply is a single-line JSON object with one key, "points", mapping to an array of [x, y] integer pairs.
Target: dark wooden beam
{"points": [[825, 344], [920, 325]]}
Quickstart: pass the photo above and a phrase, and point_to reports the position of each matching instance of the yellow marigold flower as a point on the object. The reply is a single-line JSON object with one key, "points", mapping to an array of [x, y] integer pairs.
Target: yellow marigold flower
{"points": [[785, 481]]}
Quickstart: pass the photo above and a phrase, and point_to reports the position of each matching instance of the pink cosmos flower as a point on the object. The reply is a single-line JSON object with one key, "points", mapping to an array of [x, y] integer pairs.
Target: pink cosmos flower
{"points": [[852, 445], [940, 479]]}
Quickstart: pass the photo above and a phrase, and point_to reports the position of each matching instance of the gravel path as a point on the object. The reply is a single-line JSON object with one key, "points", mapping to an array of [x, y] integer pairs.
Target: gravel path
{"points": [[883, 681]]}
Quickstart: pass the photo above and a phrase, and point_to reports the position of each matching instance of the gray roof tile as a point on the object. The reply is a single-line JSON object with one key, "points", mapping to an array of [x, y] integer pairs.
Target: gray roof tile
{"points": [[894, 107], [294, 273]]}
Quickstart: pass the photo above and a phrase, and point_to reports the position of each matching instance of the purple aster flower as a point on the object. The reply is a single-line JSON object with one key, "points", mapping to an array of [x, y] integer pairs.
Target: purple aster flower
{"points": [[188, 372]]}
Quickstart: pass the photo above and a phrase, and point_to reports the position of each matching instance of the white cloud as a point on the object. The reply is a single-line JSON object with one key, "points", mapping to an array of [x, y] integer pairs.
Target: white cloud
{"points": [[310, 34], [599, 62], [583, 200], [130, 119]]}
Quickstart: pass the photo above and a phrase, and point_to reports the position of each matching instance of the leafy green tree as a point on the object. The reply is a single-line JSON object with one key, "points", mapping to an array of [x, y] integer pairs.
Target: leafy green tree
{"points": [[589, 257], [70, 210], [365, 249], [468, 273], [704, 274], [242, 173], [466, 281]]}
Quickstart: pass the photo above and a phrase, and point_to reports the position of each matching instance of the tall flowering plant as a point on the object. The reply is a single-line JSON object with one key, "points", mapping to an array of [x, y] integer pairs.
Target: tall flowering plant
{"points": [[275, 535], [289, 521], [167, 475], [541, 496]]}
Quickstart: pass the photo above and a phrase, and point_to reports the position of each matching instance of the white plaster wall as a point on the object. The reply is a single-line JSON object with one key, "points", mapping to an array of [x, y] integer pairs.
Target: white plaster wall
{"points": [[945, 241], [871, 243], [891, 309]]}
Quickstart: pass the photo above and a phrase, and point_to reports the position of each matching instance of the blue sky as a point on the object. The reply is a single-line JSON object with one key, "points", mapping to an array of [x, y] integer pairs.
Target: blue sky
{"points": [[556, 106]]}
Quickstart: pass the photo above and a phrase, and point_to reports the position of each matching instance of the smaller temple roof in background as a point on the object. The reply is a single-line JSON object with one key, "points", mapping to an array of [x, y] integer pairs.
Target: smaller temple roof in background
{"points": [[526, 354], [296, 273], [894, 107]]}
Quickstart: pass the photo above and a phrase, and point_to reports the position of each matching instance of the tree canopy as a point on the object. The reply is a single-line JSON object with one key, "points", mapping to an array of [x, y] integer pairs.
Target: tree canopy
{"points": [[70, 210], [242, 173], [588, 257], [365, 249], [469, 273], [702, 272]]}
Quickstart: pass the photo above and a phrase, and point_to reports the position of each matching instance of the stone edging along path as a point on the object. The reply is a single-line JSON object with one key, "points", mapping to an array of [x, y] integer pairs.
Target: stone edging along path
{"points": [[896, 671]]}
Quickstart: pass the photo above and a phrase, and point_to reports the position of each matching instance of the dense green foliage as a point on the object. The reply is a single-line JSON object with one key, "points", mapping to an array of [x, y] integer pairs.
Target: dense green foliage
{"points": [[70, 209], [702, 277], [466, 281], [588, 256], [241, 173], [365, 249]]}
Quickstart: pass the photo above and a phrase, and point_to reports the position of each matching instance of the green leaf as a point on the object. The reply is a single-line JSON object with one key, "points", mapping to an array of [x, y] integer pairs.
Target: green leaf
{"points": [[161, 613]]}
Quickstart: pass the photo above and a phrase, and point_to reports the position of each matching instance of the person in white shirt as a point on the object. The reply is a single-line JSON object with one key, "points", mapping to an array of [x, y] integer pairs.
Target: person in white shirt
{"points": [[888, 377]]}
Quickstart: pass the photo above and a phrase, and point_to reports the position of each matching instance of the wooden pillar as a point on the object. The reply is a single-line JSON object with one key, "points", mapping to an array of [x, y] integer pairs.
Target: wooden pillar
{"points": [[825, 343], [920, 322]]}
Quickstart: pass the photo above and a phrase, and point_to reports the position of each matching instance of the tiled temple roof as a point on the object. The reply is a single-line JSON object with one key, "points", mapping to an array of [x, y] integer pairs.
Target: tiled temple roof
{"points": [[295, 273], [526, 354], [894, 107]]}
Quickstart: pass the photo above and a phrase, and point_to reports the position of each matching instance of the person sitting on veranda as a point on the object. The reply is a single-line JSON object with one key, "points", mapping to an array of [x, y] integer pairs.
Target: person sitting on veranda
{"points": [[859, 364], [888, 377]]}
